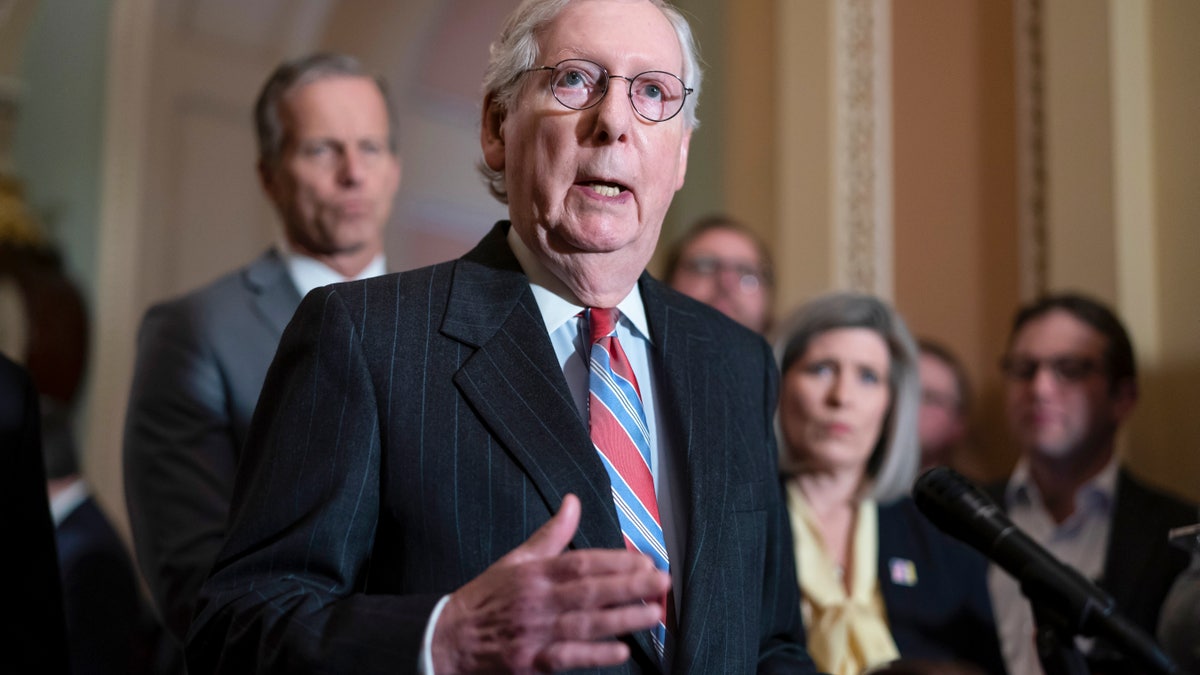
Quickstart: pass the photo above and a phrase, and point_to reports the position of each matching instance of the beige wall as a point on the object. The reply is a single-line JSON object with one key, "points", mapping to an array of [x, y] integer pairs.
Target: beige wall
{"points": [[955, 191], [1165, 433]]}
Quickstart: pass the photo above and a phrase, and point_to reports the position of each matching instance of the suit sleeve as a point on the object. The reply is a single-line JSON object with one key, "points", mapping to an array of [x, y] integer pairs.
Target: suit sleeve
{"points": [[37, 641], [287, 592], [179, 459], [782, 648]]}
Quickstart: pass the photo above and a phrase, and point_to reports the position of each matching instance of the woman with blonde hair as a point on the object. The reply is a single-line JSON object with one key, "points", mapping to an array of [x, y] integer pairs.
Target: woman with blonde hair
{"points": [[879, 583]]}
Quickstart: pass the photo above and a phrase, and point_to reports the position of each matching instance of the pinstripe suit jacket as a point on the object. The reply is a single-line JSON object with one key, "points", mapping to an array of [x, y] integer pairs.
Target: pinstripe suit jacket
{"points": [[416, 427]]}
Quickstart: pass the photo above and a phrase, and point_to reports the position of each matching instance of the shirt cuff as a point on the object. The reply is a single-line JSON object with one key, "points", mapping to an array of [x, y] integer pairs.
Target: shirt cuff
{"points": [[425, 666]]}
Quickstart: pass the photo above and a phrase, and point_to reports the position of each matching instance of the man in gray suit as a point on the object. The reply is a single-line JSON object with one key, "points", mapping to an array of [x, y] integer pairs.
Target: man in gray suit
{"points": [[328, 163], [427, 481]]}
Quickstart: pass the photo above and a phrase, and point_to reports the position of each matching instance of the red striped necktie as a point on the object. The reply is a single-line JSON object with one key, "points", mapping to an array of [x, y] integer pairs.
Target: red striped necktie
{"points": [[621, 436]]}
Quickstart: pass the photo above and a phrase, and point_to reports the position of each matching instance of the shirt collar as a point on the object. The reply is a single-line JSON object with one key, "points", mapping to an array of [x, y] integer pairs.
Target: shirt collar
{"points": [[309, 273], [1100, 490], [66, 501], [557, 303]]}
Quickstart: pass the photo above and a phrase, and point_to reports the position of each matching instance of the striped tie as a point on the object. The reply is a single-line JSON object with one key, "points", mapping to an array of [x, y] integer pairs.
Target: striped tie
{"points": [[619, 432]]}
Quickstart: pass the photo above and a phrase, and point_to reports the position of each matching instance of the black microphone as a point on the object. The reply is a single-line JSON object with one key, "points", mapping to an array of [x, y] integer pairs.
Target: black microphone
{"points": [[1066, 597]]}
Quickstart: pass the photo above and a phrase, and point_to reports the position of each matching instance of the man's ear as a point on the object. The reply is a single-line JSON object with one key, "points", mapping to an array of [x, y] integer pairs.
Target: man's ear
{"points": [[491, 133], [683, 157], [1124, 399], [266, 177]]}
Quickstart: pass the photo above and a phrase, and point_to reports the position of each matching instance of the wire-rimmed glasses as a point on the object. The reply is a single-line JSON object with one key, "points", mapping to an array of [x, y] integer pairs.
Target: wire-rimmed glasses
{"points": [[580, 84]]}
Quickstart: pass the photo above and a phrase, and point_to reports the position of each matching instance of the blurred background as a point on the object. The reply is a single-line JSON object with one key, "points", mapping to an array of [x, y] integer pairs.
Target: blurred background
{"points": [[954, 156]]}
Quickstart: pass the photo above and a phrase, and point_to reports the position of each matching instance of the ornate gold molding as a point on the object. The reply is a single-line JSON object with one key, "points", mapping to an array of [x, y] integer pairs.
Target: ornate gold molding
{"points": [[862, 152], [1031, 149]]}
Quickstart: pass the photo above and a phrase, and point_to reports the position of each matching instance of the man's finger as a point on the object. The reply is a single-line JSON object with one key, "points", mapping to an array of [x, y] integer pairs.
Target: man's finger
{"points": [[561, 656], [551, 538], [592, 562], [603, 624], [612, 589]]}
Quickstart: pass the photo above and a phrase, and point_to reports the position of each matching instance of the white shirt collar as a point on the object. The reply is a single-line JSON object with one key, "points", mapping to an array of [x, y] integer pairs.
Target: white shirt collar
{"points": [[1100, 489], [67, 500], [557, 303], [309, 273]]}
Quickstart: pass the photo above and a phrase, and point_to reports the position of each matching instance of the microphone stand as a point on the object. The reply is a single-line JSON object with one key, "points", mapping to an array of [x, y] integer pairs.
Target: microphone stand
{"points": [[1056, 646], [1059, 622]]}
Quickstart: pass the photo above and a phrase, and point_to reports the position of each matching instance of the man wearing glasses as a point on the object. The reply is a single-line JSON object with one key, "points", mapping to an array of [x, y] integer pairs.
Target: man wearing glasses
{"points": [[535, 457], [1071, 382], [722, 263]]}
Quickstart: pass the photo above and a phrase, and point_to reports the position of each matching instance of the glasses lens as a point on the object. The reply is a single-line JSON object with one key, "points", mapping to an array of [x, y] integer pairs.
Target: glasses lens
{"points": [[657, 95], [1064, 369], [578, 84], [703, 267], [1072, 369], [748, 278]]}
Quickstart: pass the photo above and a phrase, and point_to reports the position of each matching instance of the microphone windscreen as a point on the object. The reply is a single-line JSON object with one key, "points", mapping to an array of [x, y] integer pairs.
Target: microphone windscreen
{"points": [[959, 508]]}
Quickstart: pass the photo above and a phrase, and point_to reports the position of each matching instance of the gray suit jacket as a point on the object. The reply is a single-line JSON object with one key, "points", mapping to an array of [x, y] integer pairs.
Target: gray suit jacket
{"points": [[201, 363], [415, 428]]}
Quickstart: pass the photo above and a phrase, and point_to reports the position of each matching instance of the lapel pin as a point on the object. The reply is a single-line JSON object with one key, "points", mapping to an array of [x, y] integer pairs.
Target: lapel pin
{"points": [[904, 572]]}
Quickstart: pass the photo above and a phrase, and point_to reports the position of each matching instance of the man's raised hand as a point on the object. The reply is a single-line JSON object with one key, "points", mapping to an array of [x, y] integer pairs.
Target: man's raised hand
{"points": [[542, 608]]}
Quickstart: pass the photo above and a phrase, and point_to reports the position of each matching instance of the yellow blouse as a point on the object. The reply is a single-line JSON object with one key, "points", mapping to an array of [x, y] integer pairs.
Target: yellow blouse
{"points": [[847, 633]]}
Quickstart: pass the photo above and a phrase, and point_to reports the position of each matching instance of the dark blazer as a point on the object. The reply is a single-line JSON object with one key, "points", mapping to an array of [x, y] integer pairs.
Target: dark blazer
{"points": [[36, 638], [414, 428], [1140, 565], [109, 630], [945, 612], [200, 366]]}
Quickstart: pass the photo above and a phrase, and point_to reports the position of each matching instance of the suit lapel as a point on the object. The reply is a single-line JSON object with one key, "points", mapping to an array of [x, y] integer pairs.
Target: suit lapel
{"points": [[514, 383], [681, 341], [275, 295], [1128, 532]]}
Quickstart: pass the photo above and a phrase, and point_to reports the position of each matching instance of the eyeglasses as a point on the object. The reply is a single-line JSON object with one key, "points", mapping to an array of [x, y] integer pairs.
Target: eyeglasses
{"points": [[580, 84], [941, 400], [749, 278], [1063, 368]]}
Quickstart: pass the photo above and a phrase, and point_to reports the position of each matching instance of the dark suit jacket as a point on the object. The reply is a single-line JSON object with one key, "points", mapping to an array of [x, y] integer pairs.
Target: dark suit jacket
{"points": [[946, 615], [1140, 565], [36, 639], [416, 427], [201, 363], [108, 627]]}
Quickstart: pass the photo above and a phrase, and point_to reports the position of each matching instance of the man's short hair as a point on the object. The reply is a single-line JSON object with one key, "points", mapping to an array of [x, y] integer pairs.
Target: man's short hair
{"points": [[1119, 361], [718, 221], [895, 459], [942, 353], [516, 51], [294, 74]]}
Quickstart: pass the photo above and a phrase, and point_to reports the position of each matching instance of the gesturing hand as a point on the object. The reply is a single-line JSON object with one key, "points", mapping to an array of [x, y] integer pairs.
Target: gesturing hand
{"points": [[541, 609]]}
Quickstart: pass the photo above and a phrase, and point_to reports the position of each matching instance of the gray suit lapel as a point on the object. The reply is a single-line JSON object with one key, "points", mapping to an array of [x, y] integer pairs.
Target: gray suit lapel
{"points": [[275, 295]]}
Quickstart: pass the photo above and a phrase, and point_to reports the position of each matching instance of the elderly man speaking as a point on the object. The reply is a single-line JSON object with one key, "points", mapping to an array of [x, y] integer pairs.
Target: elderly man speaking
{"points": [[535, 457]]}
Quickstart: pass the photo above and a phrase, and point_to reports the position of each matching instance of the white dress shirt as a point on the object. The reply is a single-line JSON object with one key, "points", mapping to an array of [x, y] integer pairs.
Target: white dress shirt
{"points": [[309, 273], [67, 500], [1080, 541]]}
